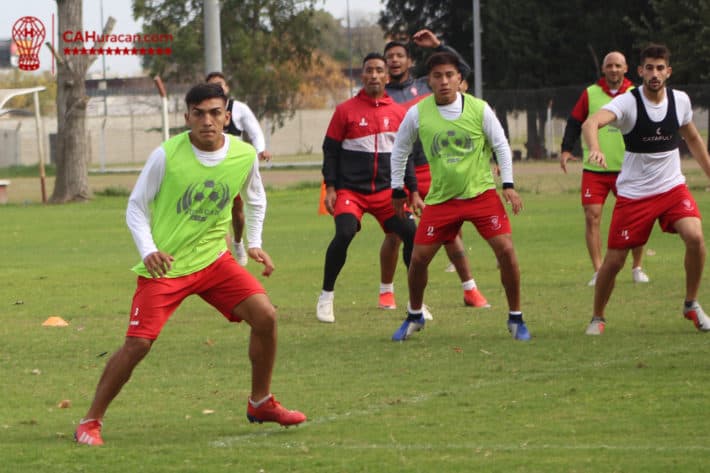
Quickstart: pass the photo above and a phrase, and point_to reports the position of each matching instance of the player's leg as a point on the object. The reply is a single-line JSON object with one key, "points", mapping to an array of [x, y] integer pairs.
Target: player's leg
{"points": [[240, 252], [606, 277], [257, 311], [592, 235], [388, 266], [346, 226], [117, 372], [691, 231], [153, 304], [456, 252]]}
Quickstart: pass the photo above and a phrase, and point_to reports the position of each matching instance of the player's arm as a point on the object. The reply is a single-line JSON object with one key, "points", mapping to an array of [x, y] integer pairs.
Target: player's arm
{"points": [[332, 148], [696, 146], [590, 133], [495, 135], [402, 148], [250, 124], [254, 198], [573, 129], [138, 214], [425, 38]]}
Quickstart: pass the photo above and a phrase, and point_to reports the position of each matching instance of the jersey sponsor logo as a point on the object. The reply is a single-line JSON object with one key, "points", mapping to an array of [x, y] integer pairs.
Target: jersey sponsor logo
{"points": [[659, 136], [451, 145], [363, 122], [204, 199], [386, 123], [347, 201]]}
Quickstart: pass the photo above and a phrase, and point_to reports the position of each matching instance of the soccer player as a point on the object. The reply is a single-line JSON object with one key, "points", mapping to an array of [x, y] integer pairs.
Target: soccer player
{"points": [[457, 132], [404, 88], [597, 182], [242, 121], [178, 214], [356, 172], [650, 186]]}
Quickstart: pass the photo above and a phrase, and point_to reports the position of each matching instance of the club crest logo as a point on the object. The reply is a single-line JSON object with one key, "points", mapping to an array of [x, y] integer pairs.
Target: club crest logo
{"points": [[28, 33]]}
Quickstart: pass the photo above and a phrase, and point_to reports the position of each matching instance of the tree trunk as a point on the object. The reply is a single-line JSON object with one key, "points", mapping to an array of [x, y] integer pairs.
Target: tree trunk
{"points": [[72, 182]]}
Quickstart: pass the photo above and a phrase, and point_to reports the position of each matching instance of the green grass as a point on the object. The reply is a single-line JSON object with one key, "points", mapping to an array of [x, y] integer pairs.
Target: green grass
{"points": [[460, 396]]}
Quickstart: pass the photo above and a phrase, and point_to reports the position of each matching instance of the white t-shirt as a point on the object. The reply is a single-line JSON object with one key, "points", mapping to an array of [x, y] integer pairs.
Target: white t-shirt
{"points": [[647, 174], [148, 185], [245, 120]]}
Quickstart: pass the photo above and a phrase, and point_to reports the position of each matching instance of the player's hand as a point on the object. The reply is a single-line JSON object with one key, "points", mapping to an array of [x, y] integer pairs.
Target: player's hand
{"points": [[426, 39], [261, 256], [398, 205], [329, 200], [512, 197], [564, 157], [265, 156], [416, 204], [598, 158], [158, 263]]}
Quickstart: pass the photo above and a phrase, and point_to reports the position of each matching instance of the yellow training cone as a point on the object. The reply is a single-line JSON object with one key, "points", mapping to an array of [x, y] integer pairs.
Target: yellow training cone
{"points": [[55, 321]]}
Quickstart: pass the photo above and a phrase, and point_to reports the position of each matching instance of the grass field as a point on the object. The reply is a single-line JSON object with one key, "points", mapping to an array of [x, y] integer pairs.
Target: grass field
{"points": [[460, 396]]}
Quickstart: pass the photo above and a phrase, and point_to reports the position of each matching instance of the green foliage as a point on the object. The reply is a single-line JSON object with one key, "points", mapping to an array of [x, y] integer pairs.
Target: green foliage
{"points": [[459, 396], [266, 47], [557, 43]]}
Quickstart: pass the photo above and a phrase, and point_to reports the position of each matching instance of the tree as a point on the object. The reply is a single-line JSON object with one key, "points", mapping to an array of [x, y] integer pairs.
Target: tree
{"points": [[324, 85], [266, 47], [72, 181], [560, 44]]}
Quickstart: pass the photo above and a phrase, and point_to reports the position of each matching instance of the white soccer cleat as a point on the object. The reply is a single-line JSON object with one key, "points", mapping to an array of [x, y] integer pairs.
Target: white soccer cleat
{"points": [[324, 311], [593, 282], [697, 315], [638, 275], [240, 253], [596, 326], [450, 268], [426, 313]]}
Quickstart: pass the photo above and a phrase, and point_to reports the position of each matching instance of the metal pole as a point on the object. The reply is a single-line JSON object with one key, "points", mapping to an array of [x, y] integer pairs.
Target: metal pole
{"points": [[103, 63], [40, 145], [477, 78], [213, 36], [350, 46]]}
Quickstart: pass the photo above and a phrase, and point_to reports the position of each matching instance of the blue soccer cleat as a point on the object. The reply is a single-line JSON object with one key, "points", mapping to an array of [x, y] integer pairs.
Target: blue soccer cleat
{"points": [[409, 326]]}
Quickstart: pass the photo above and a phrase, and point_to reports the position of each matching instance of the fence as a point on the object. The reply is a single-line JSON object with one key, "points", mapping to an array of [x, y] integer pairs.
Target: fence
{"points": [[124, 128]]}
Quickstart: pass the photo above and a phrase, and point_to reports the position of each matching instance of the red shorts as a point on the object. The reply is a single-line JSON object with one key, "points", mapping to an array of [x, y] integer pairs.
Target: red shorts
{"points": [[632, 220], [378, 204], [596, 186], [440, 223], [423, 179], [223, 284]]}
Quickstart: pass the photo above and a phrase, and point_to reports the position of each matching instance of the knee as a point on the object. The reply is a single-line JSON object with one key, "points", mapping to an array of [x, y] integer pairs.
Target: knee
{"points": [[263, 318], [345, 227], [136, 348]]}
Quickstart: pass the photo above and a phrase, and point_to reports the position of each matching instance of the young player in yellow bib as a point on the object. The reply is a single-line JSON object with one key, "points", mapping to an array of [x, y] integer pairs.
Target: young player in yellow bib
{"points": [[179, 213], [458, 132]]}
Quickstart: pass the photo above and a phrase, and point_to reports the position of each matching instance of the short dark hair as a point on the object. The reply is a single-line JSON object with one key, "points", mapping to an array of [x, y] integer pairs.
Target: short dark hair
{"points": [[656, 51], [214, 74], [201, 92], [441, 58], [374, 55], [401, 44]]}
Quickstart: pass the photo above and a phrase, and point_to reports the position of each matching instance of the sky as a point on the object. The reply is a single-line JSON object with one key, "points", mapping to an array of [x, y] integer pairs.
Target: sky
{"points": [[121, 10]]}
